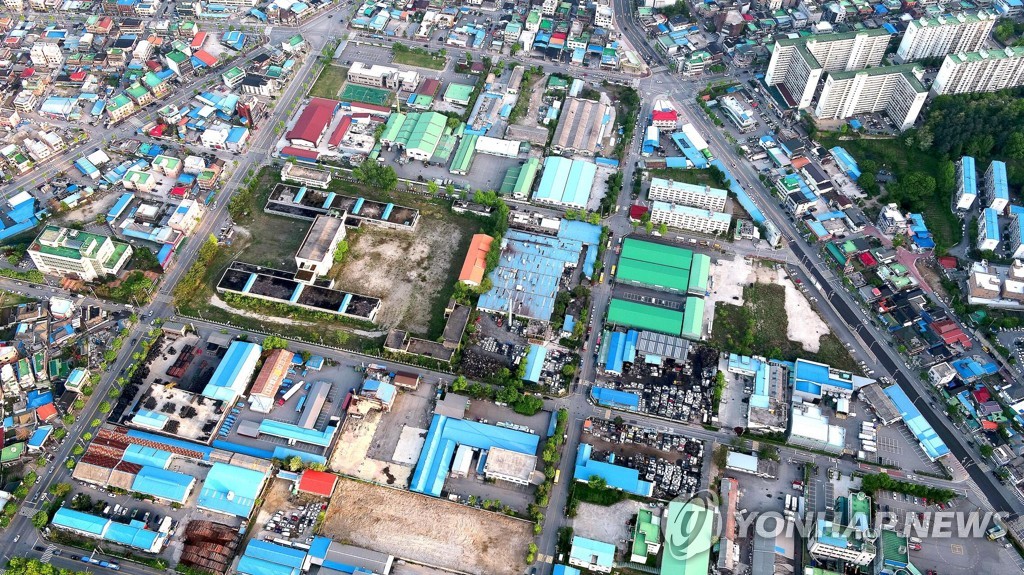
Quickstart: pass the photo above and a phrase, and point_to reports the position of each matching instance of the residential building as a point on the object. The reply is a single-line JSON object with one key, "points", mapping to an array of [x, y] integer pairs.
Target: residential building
{"points": [[62, 251], [897, 90], [673, 192], [1017, 235], [233, 77], [797, 64], [604, 16], [120, 107], [379, 76], [592, 555], [257, 85], [167, 165], [26, 101], [140, 95], [46, 54], [966, 183], [15, 5], [945, 34], [186, 216], [997, 193], [739, 114], [646, 536], [851, 542], [687, 218], [988, 230], [941, 374], [982, 71], [139, 180]]}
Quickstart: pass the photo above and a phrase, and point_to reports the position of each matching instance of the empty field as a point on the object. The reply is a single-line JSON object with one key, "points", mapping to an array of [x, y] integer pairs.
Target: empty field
{"points": [[328, 84], [419, 59], [426, 530]]}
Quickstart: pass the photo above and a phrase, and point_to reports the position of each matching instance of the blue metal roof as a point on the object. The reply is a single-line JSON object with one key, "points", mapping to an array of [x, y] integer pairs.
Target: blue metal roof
{"points": [[614, 398], [535, 363], [147, 418], [122, 203], [149, 456], [616, 350], [383, 390], [39, 435], [846, 162], [274, 553], [163, 484], [991, 227], [968, 175], [447, 433], [132, 535], [820, 374], [741, 194], [231, 489], [233, 372], [930, 442], [319, 546], [36, 398], [615, 476], [997, 180], [564, 570], [970, 369], [565, 181], [78, 521], [292, 431]]}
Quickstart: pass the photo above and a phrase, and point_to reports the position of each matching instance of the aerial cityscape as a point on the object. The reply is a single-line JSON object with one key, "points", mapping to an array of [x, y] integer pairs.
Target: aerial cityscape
{"points": [[544, 287]]}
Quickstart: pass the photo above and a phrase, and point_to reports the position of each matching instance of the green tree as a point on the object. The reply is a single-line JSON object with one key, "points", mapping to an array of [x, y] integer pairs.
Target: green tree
{"points": [[597, 483], [432, 187], [662, 229], [104, 407], [40, 519], [986, 450], [459, 384], [340, 251], [60, 490], [272, 342], [649, 226]]}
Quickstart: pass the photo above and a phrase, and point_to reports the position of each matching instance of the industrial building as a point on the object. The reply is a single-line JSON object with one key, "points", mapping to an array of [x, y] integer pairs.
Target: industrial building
{"points": [[511, 466], [813, 380], [592, 555], [87, 256], [688, 324], [519, 180], [687, 218], [646, 536], [945, 34], [811, 429], [304, 176], [315, 255], [704, 197], [418, 133], [798, 62], [233, 373], [527, 277], [848, 536], [475, 265], [566, 182], [896, 90], [134, 534], [268, 382], [584, 127], [319, 483], [929, 441], [312, 123], [663, 267], [446, 434], [981, 71], [267, 558], [768, 408], [615, 476], [231, 490], [966, 183]]}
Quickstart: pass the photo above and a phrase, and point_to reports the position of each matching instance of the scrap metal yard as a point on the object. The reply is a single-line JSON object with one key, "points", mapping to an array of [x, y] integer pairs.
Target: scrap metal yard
{"points": [[408, 525]]}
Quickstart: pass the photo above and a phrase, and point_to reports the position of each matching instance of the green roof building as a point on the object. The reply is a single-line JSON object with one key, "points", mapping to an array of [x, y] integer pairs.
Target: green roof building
{"points": [[420, 134], [645, 317], [12, 452], [519, 179], [458, 94], [693, 318], [464, 155], [700, 273], [656, 266], [646, 536], [63, 251]]}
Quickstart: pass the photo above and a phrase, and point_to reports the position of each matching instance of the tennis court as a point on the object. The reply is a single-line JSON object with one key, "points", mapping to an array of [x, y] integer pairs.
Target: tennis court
{"points": [[365, 94]]}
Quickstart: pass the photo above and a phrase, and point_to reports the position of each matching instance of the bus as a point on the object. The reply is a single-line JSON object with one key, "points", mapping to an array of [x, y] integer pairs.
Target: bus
{"points": [[600, 279], [558, 474], [613, 270]]}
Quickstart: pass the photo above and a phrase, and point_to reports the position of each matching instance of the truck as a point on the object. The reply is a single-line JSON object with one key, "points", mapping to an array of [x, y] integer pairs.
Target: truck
{"points": [[870, 449], [789, 502], [288, 394], [866, 437], [867, 425]]}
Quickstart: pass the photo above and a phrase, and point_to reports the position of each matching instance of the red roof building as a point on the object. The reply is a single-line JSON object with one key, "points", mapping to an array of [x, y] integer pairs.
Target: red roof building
{"points": [[988, 425], [205, 57], [982, 394], [867, 259], [178, 191], [46, 412], [198, 40], [340, 131], [314, 119], [317, 482], [949, 262], [428, 87], [637, 212], [311, 155], [951, 333]]}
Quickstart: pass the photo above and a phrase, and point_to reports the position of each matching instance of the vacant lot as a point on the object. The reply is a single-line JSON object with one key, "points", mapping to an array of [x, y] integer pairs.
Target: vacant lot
{"points": [[760, 326], [328, 84], [423, 529], [412, 272], [420, 58]]}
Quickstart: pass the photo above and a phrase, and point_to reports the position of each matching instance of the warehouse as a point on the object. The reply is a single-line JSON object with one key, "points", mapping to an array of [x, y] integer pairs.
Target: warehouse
{"points": [[475, 265], [311, 124], [688, 324], [656, 266], [446, 434], [510, 466], [615, 476], [231, 490], [418, 133], [266, 558], [294, 433], [231, 378], [163, 484], [927, 439], [269, 380], [584, 127], [134, 534], [566, 182], [519, 179]]}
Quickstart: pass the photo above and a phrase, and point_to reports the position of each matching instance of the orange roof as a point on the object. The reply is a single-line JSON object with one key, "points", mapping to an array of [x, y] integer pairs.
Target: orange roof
{"points": [[799, 162], [476, 260], [274, 370], [46, 412], [989, 425], [317, 482]]}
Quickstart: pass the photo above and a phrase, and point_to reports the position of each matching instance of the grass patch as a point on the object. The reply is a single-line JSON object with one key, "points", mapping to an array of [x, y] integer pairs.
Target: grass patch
{"points": [[759, 328], [328, 84], [598, 496], [420, 59], [274, 239], [893, 155]]}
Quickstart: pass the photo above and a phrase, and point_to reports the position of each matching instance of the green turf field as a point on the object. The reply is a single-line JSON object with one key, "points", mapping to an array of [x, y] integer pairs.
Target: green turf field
{"points": [[365, 94]]}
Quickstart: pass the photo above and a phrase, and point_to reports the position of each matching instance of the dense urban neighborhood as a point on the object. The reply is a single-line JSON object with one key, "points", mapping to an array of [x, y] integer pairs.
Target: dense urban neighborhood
{"points": [[512, 287]]}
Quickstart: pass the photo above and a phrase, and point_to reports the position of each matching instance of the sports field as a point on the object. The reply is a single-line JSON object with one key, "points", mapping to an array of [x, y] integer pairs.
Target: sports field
{"points": [[365, 94]]}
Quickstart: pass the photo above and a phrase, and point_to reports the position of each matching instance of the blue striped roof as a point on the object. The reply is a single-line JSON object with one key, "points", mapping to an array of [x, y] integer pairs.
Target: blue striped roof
{"points": [[968, 175], [991, 227], [131, 535], [84, 522], [997, 180], [231, 489], [233, 372], [918, 425], [535, 362], [163, 484]]}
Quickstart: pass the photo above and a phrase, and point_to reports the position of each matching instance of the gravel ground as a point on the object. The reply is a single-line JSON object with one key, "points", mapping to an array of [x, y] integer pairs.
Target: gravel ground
{"points": [[426, 530]]}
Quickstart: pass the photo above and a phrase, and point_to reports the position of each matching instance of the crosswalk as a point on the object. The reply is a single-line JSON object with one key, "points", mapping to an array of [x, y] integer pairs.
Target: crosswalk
{"points": [[48, 554]]}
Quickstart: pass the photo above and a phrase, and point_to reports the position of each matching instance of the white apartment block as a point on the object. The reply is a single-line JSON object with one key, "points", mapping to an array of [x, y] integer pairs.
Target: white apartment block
{"points": [[379, 76], [798, 63], [688, 218], [46, 55], [895, 89], [15, 5], [997, 191], [62, 251], [946, 34], [604, 16], [1017, 235], [966, 184], [673, 192], [982, 71], [302, 175], [548, 7], [988, 230]]}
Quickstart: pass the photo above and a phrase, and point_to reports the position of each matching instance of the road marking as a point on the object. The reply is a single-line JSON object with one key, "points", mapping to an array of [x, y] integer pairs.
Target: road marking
{"points": [[48, 554], [956, 549]]}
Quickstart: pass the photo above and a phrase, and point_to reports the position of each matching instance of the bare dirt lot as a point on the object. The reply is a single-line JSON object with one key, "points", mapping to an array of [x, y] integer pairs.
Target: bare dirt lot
{"points": [[407, 270], [426, 530]]}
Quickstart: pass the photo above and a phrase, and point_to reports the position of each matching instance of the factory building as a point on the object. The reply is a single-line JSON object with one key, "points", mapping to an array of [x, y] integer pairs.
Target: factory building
{"points": [[315, 255], [231, 378], [673, 192], [268, 382]]}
